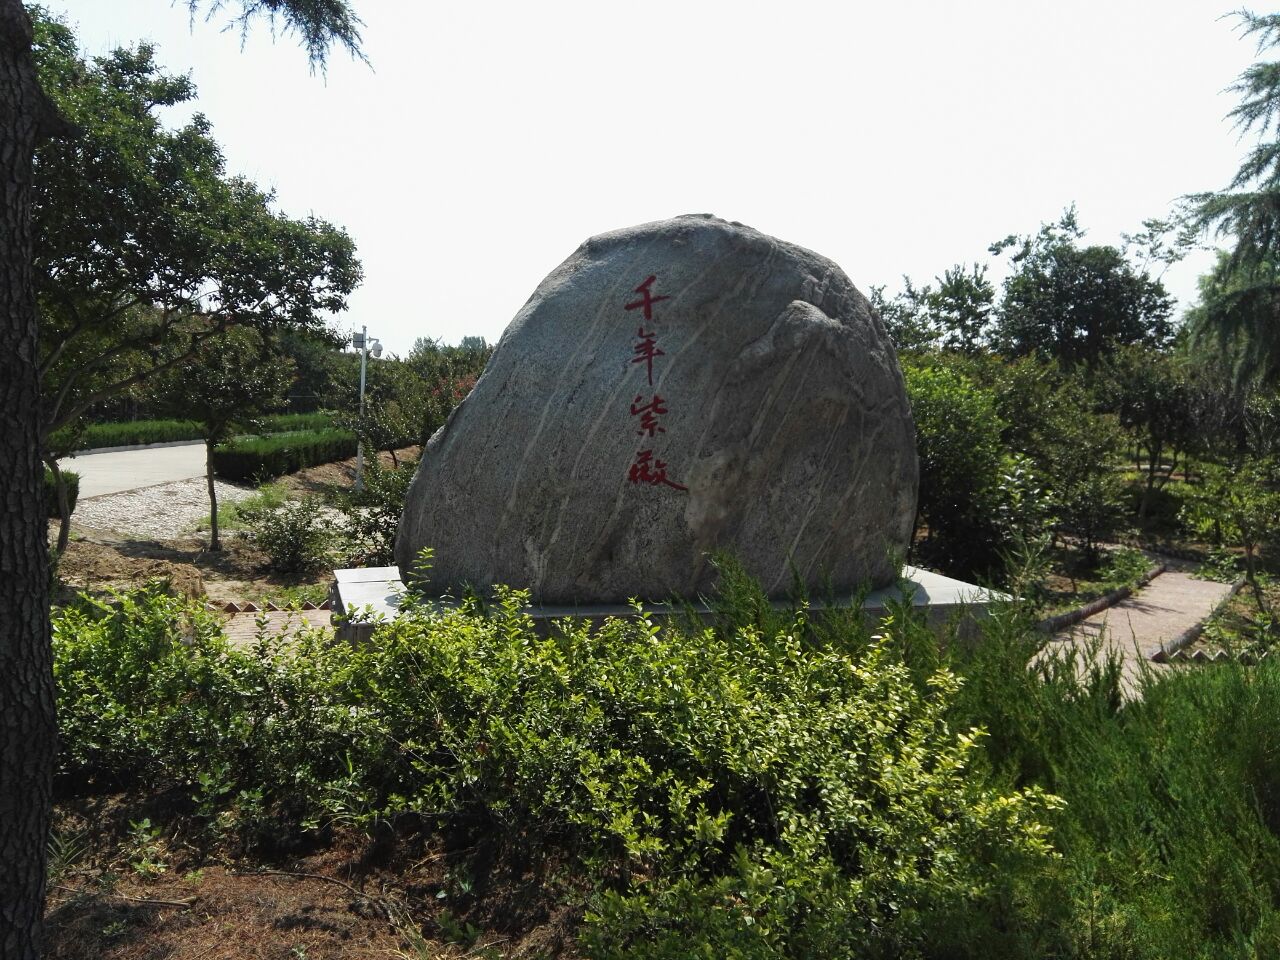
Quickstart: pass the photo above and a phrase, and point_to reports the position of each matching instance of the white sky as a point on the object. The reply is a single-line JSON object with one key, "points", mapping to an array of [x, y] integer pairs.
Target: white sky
{"points": [[490, 138]]}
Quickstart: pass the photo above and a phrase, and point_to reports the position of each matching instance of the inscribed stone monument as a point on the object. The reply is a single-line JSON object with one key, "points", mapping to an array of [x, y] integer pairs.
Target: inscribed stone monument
{"points": [[671, 390]]}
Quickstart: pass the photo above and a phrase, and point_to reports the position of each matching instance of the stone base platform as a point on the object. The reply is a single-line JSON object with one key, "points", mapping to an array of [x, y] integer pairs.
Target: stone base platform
{"points": [[364, 597]]}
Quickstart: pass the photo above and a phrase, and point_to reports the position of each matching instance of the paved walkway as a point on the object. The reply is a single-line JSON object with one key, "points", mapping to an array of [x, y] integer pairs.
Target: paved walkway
{"points": [[1134, 629], [120, 470], [242, 628]]}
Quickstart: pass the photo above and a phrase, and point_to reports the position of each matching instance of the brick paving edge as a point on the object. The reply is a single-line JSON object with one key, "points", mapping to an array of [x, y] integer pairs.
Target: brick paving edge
{"points": [[1192, 633]]}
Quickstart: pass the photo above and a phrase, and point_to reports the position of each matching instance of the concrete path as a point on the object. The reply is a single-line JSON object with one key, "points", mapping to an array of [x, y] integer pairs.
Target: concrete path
{"points": [[103, 473], [1134, 629]]}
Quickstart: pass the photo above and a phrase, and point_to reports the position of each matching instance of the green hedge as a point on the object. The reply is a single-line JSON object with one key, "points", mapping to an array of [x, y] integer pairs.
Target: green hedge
{"points": [[128, 434], [137, 432], [260, 458], [51, 493], [285, 422]]}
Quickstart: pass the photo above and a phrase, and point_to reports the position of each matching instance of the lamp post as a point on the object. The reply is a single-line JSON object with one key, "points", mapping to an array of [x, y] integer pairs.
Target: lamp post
{"points": [[361, 340]]}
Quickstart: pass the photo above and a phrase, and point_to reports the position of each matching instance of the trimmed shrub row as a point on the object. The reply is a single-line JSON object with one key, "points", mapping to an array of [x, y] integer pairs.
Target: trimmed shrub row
{"points": [[261, 458], [285, 422], [136, 432], [125, 434], [51, 491]]}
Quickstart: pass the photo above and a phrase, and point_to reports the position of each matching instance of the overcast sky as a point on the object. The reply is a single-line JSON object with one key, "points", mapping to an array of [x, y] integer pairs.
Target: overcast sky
{"points": [[485, 141]]}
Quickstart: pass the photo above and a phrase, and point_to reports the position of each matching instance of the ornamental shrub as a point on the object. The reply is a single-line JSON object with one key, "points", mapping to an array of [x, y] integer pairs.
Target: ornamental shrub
{"points": [[298, 536], [72, 481], [749, 784], [779, 789], [961, 461], [262, 458]]}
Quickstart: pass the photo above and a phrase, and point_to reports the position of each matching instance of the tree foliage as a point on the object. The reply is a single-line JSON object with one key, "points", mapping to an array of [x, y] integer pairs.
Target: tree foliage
{"points": [[224, 386], [958, 442], [954, 315], [1242, 303], [1073, 303], [167, 251], [320, 24]]}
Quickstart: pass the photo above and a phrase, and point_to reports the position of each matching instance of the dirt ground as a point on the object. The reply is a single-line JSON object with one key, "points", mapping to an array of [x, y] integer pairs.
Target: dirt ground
{"points": [[121, 893], [98, 561]]}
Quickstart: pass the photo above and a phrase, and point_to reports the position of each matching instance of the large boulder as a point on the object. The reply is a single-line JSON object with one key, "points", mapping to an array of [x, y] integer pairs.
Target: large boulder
{"points": [[671, 390]]}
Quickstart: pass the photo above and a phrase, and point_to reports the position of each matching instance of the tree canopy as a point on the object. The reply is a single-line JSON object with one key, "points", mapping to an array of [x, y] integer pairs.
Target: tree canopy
{"points": [[1075, 303], [167, 250], [1242, 311], [320, 24]]}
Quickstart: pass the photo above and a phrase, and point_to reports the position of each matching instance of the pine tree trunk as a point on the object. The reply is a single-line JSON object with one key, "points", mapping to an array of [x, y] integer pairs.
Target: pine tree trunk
{"points": [[28, 730], [214, 542]]}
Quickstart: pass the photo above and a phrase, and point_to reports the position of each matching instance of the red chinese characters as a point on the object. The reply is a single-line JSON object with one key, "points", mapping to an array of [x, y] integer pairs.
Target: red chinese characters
{"points": [[647, 300], [648, 414], [646, 351], [646, 467]]}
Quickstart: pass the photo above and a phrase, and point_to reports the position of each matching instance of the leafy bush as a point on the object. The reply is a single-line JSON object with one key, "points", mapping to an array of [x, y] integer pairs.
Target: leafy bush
{"points": [[233, 515], [1173, 798], [1125, 566], [961, 460], [820, 776], [261, 458], [72, 481], [372, 517], [297, 535], [1088, 493], [1239, 506], [755, 785], [289, 422]]}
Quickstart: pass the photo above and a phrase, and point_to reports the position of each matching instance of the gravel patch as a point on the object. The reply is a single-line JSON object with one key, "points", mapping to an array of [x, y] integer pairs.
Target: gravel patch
{"points": [[161, 512]]}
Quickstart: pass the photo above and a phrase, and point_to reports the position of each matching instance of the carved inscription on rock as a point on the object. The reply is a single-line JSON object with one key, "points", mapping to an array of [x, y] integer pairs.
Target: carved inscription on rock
{"points": [[670, 390]]}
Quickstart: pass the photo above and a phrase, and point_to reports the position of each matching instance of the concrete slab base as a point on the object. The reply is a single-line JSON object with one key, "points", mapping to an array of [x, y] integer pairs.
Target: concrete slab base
{"points": [[364, 597]]}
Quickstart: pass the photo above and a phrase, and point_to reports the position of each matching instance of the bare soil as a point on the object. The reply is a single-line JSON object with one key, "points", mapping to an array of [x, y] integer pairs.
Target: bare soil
{"points": [[99, 561], [179, 896]]}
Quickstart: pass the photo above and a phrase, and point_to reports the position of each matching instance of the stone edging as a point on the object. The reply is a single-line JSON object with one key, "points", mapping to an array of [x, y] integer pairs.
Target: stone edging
{"points": [[131, 446], [1192, 633], [1192, 556], [1072, 617]]}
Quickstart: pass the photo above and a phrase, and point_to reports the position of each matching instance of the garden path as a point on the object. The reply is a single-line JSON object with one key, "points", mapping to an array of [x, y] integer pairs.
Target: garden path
{"points": [[1136, 628], [130, 468]]}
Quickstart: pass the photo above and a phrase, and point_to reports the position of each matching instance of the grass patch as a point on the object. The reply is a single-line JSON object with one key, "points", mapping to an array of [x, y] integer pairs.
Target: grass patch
{"points": [[232, 515], [1070, 581]]}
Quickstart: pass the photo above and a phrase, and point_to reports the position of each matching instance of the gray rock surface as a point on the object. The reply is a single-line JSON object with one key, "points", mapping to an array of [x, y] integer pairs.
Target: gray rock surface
{"points": [[780, 433]]}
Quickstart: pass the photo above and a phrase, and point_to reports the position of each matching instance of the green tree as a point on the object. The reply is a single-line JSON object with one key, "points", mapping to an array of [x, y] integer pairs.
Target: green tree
{"points": [[28, 731], [958, 442], [1245, 298], [954, 315], [1150, 393], [1075, 304], [224, 386], [1241, 505], [961, 307], [166, 250], [906, 317], [1087, 492]]}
